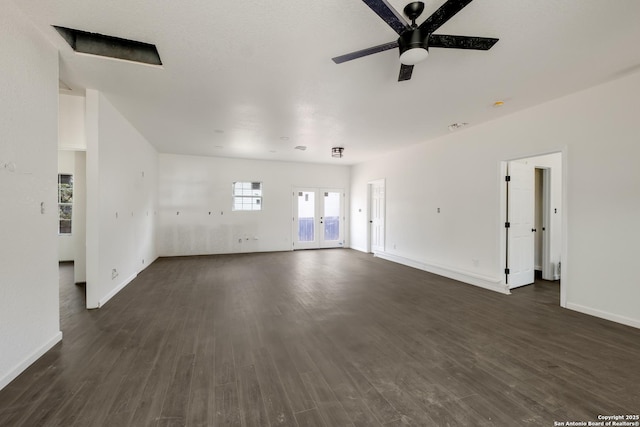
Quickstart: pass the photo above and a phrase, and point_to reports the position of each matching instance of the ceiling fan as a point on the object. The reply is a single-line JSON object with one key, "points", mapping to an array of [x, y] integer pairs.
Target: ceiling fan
{"points": [[415, 40]]}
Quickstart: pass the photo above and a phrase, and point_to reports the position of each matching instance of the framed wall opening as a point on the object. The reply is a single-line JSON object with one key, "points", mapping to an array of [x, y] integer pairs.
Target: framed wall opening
{"points": [[544, 250]]}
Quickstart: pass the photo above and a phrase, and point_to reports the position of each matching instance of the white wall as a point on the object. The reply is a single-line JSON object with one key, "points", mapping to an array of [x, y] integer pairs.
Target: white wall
{"points": [[29, 317], [71, 121], [121, 200], [79, 226], [597, 133], [195, 186]]}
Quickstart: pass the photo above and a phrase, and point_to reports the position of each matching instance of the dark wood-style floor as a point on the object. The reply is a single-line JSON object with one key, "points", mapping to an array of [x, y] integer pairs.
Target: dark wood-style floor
{"points": [[322, 338]]}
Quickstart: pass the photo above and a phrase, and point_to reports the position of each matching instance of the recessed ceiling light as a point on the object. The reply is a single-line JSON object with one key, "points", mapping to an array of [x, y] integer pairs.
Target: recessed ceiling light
{"points": [[300, 147], [218, 146], [284, 138], [272, 151], [498, 104], [218, 131], [456, 126]]}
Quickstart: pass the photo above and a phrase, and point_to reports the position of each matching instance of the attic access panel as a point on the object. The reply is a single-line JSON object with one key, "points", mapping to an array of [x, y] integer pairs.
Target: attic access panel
{"points": [[109, 46]]}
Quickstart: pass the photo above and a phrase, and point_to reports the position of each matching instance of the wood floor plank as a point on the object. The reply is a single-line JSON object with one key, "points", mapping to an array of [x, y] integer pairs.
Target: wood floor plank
{"points": [[227, 408], [346, 393], [225, 370], [277, 406], [334, 415], [310, 418], [174, 408], [328, 337], [252, 407], [150, 402], [293, 385], [330, 409], [202, 399]]}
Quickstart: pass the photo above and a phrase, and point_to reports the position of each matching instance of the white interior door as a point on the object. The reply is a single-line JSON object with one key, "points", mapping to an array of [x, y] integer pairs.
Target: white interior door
{"points": [[318, 218], [520, 216], [376, 220]]}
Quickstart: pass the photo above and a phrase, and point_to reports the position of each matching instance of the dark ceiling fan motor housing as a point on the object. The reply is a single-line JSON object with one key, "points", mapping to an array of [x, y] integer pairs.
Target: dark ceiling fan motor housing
{"points": [[413, 39]]}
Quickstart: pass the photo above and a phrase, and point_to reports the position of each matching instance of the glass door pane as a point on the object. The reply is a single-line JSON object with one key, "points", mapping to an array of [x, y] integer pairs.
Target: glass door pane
{"points": [[306, 216], [331, 216]]}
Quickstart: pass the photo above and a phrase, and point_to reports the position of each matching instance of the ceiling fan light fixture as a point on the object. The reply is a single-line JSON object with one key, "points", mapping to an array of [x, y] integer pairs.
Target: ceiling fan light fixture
{"points": [[413, 47], [414, 55]]}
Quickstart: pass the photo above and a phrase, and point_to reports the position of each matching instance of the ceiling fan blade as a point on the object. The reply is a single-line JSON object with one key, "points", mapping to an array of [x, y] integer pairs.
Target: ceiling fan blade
{"points": [[388, 14], [461, 42], [365, 52], [405, 72], [443, 14]]}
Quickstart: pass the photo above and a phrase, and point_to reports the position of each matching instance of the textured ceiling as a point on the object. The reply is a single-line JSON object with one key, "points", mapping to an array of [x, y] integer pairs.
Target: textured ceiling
{"points": [[254, 78]]}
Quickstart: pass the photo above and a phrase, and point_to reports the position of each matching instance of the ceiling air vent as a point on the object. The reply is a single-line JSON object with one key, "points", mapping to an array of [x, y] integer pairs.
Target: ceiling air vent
{"points": [[456, 126], [109, 46]]}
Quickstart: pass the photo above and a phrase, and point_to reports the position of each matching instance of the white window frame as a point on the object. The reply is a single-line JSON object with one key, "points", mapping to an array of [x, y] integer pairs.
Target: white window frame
{"points": [[65, 204], [246, 196]]}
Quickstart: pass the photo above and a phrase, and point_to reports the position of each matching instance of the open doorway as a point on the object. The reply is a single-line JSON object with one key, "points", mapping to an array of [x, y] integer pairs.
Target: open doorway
{"points": [[532, 209], [72, 216], [71, 194]]}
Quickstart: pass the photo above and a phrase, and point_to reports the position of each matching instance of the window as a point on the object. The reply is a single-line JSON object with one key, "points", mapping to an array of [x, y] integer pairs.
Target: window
{"points": [[65, 203], [247, 196]]}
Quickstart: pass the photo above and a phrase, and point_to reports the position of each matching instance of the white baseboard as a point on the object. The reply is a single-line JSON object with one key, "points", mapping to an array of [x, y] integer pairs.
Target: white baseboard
{"points": [[635, 323], [486, 282], [13, 373], [147, 264], [355, 248], [115, 290]]}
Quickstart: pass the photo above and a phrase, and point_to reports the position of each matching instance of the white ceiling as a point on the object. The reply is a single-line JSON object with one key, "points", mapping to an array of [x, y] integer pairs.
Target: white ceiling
{"points": [[254, 78]]}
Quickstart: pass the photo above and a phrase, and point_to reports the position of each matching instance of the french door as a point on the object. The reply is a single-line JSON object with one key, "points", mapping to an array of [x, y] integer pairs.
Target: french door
{"points": [[318, 218]]}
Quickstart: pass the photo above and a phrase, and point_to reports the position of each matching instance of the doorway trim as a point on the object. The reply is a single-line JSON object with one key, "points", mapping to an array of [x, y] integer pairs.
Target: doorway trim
{"points": [[381, 182], [546, 265], [502, 218]]}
